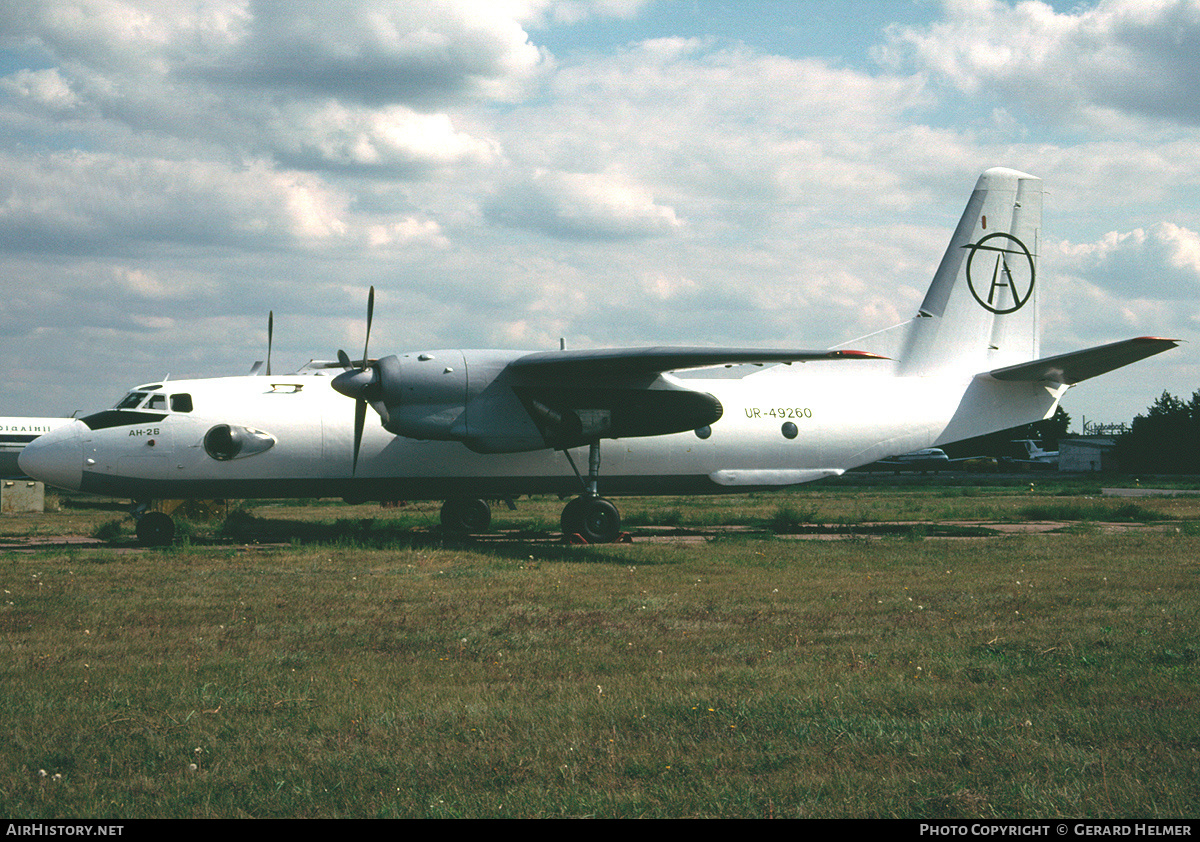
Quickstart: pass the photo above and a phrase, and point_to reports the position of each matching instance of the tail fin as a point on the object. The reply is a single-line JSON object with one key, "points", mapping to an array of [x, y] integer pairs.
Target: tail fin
{"points": [[981, 311]]}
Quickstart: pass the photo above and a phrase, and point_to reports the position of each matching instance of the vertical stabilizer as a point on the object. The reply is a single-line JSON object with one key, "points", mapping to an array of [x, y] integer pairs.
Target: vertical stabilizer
{"points": [[981, 310]]}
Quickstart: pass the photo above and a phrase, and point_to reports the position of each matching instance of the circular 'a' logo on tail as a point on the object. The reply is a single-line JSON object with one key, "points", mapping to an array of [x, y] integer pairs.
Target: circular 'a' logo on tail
{"points": [[1008, 282]]}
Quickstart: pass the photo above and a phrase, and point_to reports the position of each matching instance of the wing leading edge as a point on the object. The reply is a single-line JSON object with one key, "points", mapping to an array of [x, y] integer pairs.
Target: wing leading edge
{"points": [[628, 362]]}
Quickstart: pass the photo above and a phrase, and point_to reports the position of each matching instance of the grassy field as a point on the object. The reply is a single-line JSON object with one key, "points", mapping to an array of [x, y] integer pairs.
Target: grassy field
{"points": [[354, 663]]}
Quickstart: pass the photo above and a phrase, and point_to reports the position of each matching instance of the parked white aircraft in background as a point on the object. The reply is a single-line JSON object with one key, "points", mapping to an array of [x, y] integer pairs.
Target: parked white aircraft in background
{"points": [[466, 426], [1035, 455], [15, 433], [925, 459]]}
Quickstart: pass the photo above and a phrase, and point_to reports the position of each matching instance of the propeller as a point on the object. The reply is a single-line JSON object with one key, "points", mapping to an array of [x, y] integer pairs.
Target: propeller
{"points": [[357, 383], [259, 368]]}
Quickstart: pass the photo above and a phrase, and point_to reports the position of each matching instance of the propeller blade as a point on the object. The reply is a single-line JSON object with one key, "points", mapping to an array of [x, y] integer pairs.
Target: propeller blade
{"points": [[358, 384], [370, 316], [360, 418], [270, 336]]}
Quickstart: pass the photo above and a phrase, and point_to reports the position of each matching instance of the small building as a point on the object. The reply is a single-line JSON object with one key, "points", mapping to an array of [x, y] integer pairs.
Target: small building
{"points": [[1083, 454], [22, 495]]}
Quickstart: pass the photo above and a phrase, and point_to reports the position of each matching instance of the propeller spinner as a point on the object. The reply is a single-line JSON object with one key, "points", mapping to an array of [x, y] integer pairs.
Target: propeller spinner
{"points": [[361, 383]]}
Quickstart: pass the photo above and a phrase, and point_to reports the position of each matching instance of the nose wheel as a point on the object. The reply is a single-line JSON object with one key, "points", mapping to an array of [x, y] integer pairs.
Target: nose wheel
{"points": [[155, 529]]}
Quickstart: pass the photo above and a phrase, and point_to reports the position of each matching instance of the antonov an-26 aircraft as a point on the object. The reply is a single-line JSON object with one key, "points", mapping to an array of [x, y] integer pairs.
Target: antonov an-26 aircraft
{"points": [[468, 426]]}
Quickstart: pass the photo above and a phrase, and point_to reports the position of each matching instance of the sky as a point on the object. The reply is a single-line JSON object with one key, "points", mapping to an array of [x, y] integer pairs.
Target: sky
{"points": [[611, 172]]}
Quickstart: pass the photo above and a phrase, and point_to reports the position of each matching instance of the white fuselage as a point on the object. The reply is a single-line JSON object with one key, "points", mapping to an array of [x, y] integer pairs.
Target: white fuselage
{"points": [[780, 426]]}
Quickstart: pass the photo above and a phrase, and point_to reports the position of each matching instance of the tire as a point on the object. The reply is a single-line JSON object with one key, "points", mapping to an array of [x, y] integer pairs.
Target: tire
{"points": [[572, 517], [594, 519], [466, 516], [154, 529]]}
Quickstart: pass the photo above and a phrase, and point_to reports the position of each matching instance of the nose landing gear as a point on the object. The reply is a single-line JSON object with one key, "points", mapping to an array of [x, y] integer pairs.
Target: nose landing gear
{"points": [[155, 529]]}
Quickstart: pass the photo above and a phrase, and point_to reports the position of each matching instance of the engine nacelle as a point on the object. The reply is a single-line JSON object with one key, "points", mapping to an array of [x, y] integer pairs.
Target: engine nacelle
{"points": [[231, 441], [425, 394]]}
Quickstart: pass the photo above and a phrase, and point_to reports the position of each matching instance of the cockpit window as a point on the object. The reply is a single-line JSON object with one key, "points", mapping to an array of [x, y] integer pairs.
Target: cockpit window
{"points": [[179, 403], [131, 401]]}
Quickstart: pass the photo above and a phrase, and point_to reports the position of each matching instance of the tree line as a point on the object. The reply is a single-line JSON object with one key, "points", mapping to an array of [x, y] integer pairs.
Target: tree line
{"points": [[1164, 440]]}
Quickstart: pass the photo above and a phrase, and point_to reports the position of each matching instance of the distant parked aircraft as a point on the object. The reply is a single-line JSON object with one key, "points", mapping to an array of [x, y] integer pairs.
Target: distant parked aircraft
{"points": [[1035, 456], [925, 459]]}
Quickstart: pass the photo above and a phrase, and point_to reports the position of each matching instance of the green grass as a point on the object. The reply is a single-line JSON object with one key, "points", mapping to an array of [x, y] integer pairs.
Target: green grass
{"points": [[1091, 511], [851, 500], [360, 671]]}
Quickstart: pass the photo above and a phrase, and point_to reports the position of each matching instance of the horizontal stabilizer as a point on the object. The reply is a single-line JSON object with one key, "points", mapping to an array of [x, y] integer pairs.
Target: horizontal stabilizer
{"points": [[1072, 368], [641, 361]]}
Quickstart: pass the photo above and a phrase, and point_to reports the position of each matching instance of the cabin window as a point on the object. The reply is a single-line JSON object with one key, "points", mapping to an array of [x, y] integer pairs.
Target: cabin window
{"points": [[181, 402]]}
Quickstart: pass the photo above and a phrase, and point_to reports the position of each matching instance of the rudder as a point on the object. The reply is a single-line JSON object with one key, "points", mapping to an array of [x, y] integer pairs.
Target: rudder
{"points": [[981, 310]]}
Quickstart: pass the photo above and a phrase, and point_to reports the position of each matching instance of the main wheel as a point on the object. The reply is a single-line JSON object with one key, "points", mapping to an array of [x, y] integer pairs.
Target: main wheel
{"points": [[594, 519], [466, 515], [155, 529], [572, 516]]}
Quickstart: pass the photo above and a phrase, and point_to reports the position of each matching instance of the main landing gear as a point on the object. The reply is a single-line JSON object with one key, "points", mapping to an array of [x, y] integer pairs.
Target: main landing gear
{"points": [[590, 517], [466, 516]]}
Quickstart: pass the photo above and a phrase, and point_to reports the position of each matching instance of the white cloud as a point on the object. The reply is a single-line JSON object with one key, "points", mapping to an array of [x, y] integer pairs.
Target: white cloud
{"points": [[78, 202], [1130, 56], [734, 124], [585, 205], [392, 139], [143, 284], [1164, 258], [405, 233], [46, 87], [323, 84], [416, 52], [542, 13]]}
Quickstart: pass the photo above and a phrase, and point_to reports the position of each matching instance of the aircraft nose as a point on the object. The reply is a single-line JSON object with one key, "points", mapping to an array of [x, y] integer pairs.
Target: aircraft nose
{"points": [[56, 458]]}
